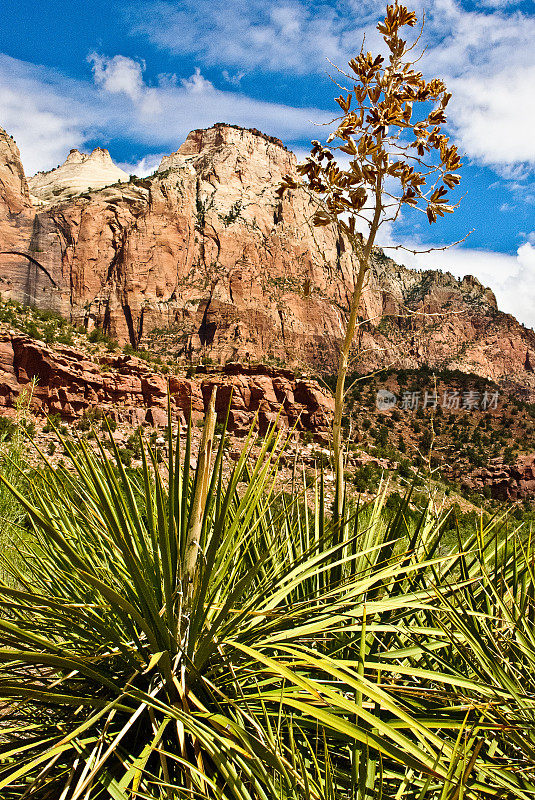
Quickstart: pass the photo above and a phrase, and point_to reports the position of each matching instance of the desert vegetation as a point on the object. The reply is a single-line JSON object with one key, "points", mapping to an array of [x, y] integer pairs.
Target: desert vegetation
{"points": [[174, 624], [293, 656], [391, 127]]}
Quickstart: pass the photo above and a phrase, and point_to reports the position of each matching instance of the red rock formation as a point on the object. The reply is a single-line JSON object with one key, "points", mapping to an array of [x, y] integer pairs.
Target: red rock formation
{"points": [[16, 219], [14, 194], [506, 481], [202, 258], [70, 383]]}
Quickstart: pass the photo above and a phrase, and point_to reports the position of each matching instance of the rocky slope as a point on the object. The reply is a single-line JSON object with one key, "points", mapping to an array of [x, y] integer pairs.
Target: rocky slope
{"points": [[203, 259]]}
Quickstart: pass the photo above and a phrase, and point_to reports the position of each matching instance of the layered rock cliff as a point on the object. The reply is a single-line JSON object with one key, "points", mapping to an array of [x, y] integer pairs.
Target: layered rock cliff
{"points": [[71, 382], [505, 481], [203, 259]]}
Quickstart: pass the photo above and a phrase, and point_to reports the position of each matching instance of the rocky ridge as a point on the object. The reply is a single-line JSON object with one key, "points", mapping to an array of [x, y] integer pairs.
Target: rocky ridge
{"points": [[202, 259], [68, 381]]}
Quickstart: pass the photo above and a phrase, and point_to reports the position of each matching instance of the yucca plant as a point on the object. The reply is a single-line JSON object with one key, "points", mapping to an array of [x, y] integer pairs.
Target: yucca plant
{"points": [[486, 644], [474, 653], [13, 465], [180, 634]]}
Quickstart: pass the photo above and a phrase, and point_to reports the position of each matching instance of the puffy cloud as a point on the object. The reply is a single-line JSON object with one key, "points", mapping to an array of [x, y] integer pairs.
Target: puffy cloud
{"points": [[196, 84], [145, 166], [511, 277], [118, 75], [44, 115], [495, 116], [47, 113]]}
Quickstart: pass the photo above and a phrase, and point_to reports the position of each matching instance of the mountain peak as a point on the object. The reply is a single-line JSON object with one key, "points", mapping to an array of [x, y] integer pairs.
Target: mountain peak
{"points": [[74, 157], [79, 173], [225, 131], [221, 140]]}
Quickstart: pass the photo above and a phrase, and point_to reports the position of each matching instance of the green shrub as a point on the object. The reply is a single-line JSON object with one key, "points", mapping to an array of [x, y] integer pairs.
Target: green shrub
{"points": [[126, 455], [49, 332], [84, 424], [133, 443], [28, 426], [31, 330], [404, 468], [97, 336], [181, 634], [52, 422], [65, 336], [108, 422], [7, 429]]}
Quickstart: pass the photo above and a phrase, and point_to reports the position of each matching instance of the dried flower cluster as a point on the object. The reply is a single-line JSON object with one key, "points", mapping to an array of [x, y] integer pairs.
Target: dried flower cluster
{"points": [[398, 157], [384, 139]]}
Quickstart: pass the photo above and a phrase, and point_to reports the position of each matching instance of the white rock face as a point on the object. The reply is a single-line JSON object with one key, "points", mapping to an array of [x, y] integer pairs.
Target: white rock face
{"points": [[174, 161], [79, 173]]}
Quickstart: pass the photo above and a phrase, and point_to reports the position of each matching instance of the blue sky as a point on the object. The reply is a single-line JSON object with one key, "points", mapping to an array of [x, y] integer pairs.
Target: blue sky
{"points": [[136, 77]]}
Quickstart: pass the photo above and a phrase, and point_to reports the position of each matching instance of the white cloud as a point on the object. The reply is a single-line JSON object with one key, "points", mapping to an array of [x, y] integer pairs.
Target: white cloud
{"points": [[495, 117], [36, 112], [118, 75], [271, 35], [500, 3], [196, 84], [511, 277], [121, 75], [47, 114], [145, 166], [233, 78], [488, 60]]}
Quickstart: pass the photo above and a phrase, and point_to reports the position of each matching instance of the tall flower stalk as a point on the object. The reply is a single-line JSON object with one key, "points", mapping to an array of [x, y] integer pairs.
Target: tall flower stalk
{"points": [[398, 158]]}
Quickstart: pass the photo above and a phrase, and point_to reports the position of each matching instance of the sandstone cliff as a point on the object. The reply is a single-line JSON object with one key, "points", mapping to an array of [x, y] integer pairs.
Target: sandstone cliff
{"points": [[71, 382], [202, 258], [16, 224]]}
